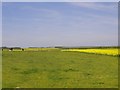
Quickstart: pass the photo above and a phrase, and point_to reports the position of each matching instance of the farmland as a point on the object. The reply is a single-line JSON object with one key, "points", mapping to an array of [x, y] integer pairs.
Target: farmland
{"points": [[54, 68], [108, 51]]}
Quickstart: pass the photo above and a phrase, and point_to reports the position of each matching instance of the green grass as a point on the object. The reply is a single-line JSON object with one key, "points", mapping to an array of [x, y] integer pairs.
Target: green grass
{"points": [[56, 69], [0, 69]]}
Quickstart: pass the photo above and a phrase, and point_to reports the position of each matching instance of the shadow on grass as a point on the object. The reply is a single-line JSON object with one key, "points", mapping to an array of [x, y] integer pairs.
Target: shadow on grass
{"points": [[30, 71]]}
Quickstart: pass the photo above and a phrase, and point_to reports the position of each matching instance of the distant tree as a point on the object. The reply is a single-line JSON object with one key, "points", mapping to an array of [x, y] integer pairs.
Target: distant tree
{"points": [[4, 47], [10, 49], [22, 49]]}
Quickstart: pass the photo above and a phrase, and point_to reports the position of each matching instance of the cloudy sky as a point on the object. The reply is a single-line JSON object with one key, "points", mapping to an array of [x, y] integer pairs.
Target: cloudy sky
{"points": [[60, 24]]}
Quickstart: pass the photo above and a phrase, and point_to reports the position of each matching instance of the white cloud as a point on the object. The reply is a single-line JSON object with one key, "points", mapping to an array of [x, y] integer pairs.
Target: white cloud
{"points": [[96, 6], [43, 12]]}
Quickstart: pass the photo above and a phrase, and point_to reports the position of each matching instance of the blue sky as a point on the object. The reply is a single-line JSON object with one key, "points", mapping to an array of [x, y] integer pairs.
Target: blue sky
{"points": [[59, 24]]}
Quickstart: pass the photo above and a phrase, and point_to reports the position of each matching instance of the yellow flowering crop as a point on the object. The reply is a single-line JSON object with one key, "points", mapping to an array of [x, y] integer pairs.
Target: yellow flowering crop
{"points": [[111, 51]]}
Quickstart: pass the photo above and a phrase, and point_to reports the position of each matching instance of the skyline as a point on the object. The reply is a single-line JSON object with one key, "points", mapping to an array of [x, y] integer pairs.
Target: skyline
{"points": [[60, 24]]}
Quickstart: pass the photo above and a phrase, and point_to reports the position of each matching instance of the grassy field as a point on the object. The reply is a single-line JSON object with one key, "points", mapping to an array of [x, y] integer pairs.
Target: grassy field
{"points": [[57, 69], [0, 69]]}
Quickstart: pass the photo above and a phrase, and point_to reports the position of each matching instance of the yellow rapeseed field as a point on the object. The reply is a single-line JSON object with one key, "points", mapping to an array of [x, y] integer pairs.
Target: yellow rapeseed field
{"points": [[111, 51]]}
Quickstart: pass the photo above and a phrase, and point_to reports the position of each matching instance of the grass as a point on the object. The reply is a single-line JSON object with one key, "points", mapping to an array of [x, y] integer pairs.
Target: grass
{"points": [[56, 69], [0, 69]]}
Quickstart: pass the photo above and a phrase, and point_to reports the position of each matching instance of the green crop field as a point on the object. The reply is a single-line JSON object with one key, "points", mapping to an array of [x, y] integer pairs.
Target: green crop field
{"points": [[57, 69]]}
